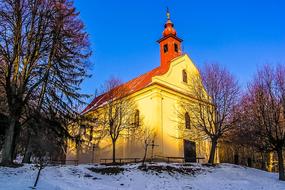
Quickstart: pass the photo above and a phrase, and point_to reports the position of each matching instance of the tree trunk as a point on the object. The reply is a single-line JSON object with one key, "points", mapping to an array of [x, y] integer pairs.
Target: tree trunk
{"points": [[114, 151], [281, 165], [263, 164], [7, 152], [144, 157], [28, 152], [213, 151], [16, 135], [270, 162]]}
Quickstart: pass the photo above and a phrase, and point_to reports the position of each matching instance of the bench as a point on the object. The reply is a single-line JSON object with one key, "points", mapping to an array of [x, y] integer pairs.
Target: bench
{"points": [[121, 160], [199, 158], [63, 162], [182, 158], [174, 158]]}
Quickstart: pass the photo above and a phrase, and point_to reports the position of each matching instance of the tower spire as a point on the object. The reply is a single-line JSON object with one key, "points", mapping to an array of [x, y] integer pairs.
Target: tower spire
{"points": [[167, 13], [170, 44], [169, 26]]}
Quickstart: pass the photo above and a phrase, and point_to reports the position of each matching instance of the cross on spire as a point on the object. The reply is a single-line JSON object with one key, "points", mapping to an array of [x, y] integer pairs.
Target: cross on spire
{"points": [[167, 13]]}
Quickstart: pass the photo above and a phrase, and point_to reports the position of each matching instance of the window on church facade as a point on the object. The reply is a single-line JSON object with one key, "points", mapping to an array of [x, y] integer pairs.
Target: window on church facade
{"points": [[176, 47], [165, 48], [184, 76], [82, 129], [187, 121], [137, 118]]}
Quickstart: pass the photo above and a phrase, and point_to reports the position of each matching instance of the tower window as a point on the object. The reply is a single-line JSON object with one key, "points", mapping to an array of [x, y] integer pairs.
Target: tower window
{"points": [[137, 118], [176, 47], [184, 76], [187, 120], [165, 48]]}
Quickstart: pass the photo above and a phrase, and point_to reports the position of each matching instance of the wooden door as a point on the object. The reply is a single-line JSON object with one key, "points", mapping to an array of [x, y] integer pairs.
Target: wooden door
{"points": [[189, 151]]}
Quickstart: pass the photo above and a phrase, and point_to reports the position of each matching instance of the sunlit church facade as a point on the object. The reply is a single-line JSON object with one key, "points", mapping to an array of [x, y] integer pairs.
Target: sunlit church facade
{"points": [[158, 95]]}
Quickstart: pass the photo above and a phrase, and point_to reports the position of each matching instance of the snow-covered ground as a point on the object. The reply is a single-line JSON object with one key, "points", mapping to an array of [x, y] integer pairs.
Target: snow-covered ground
{"points": [[224, 176]]}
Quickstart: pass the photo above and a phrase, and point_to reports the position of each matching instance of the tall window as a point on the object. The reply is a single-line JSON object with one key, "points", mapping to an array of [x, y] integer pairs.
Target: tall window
{"points": [[137, 118], [184, 76], [82, 130], [165, 48], [176, 47], [187, 121]]}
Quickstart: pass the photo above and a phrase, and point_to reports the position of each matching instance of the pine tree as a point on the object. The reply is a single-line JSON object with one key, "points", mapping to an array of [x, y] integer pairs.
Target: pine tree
{"points": [[44, 51]]}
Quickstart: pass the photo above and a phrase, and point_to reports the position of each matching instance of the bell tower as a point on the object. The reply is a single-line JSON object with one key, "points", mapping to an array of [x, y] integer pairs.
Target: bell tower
{"points": [[170, 44]]}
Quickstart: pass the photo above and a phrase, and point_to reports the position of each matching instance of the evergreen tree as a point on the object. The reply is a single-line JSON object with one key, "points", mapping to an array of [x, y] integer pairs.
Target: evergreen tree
{"points": [[43, 51]]}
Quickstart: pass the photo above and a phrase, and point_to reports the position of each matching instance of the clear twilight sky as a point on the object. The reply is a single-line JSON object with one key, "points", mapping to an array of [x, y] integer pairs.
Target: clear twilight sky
{"points": [[241, 35]]}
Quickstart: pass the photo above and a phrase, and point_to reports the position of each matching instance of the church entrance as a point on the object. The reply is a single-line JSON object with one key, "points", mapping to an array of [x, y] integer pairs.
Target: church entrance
{"points": [[189, 151]]}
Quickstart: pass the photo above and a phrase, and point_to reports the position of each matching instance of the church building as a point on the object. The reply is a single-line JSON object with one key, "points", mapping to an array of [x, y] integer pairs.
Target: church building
{"points": [[157, 95]]}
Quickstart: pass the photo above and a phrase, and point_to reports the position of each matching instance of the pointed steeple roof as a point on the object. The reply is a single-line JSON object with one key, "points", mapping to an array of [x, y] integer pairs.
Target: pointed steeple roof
{"points": [[169, 26]]}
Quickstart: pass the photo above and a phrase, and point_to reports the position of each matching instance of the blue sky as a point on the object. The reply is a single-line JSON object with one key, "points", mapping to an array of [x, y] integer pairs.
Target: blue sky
{"points": [[241, 35]]}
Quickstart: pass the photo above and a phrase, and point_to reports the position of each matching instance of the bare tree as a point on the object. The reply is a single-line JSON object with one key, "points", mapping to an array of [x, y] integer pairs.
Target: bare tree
{"points": [[212, 113], [148, 141], [146, 135], [3, 101], [117, 112], [264, 109], [3, 108], [244, 136], [43, 49]]}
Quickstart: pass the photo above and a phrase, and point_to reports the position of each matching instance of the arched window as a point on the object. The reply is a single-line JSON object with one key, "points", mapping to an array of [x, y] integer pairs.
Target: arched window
{"points": [[175, 47], [187, 121], [184, 76], [137, 118], [165, 48], [82, 129]]}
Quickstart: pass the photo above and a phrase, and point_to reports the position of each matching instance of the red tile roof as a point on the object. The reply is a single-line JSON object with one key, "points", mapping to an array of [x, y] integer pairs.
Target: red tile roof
{"points": [[133, 85]]}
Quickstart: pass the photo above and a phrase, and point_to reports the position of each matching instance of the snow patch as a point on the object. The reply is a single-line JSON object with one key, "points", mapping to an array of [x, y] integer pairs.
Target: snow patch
{"points": [[128, 177]]}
